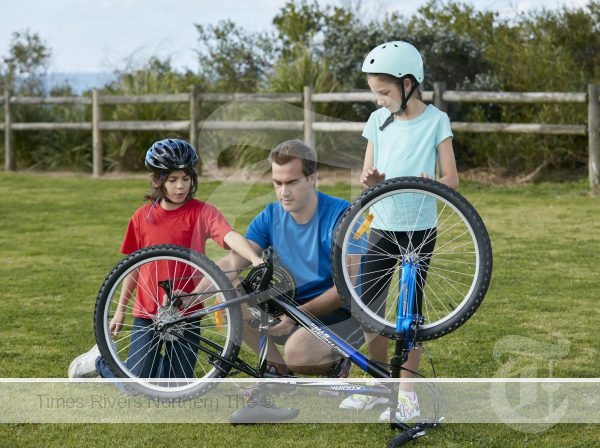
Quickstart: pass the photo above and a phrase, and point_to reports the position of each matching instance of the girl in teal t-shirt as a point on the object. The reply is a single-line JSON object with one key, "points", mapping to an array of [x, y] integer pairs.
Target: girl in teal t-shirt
{"points": [[405, 137]]}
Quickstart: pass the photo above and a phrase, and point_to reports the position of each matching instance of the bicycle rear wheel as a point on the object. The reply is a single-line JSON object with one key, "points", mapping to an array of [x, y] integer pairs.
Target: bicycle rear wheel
{"points": [[428, 222], [170, 362]]}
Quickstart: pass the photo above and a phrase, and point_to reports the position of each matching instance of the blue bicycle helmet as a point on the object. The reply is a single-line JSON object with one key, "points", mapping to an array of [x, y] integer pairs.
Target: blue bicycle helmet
{"points": [[171, 154]]}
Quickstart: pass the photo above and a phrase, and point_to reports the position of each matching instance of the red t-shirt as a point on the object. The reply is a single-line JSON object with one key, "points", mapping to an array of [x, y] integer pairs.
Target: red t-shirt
{"points": [[189, 226]]}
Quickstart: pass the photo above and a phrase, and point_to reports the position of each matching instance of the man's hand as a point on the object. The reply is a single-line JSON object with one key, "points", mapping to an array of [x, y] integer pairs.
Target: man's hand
{"points": [[285, 326]]}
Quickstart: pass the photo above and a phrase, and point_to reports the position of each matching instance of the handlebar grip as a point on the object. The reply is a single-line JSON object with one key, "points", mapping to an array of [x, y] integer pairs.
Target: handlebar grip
{"points": [[401, 438]]}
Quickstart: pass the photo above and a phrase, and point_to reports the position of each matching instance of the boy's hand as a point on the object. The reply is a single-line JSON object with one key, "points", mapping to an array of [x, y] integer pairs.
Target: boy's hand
{"points": [[371, 177]]}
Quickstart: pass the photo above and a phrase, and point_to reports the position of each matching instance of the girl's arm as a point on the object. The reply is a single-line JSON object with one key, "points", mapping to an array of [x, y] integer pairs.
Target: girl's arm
{"points": [[370, 175], [449, 175], [240, 245], [230, 264], [129, 285]]}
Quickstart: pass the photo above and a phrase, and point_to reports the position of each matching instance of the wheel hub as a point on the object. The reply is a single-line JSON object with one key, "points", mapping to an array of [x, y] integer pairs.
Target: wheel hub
{"points": [[165, 331]]}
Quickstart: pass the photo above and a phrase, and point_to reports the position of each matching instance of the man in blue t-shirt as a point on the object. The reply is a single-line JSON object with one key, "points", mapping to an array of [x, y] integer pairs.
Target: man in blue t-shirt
{"points": [[300, 228]]}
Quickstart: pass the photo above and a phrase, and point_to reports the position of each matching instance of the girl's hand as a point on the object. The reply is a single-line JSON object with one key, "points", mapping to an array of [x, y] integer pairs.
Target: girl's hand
{"points": [[371, 177], [116, 323], [426, 176], [257, 261], [185, 302]]}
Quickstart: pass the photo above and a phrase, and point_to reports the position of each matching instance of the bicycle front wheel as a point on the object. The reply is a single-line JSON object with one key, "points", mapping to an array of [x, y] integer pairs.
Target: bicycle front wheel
{"points": [[166, 361], [433, 226]]}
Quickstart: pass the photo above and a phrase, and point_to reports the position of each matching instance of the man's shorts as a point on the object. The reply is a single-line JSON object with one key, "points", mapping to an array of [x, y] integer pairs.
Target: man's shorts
{"points": [[340, 322]]}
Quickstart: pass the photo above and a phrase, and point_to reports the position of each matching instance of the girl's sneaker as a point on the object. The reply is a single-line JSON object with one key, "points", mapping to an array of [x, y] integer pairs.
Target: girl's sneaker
{"points": [[360, 402], [408, 408], [84, 366]]}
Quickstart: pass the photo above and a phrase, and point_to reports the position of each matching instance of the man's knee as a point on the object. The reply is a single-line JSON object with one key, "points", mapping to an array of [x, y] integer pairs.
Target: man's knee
{"points": [[304, 353]]}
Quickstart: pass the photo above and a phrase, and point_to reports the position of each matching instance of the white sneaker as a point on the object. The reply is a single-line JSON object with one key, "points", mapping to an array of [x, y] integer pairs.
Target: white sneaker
{"points": [[360, 402], [408, 408], [84, 366]]}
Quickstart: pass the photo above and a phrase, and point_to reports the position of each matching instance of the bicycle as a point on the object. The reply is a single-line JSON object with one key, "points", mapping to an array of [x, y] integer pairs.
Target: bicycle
{"points": [[439, 276]]}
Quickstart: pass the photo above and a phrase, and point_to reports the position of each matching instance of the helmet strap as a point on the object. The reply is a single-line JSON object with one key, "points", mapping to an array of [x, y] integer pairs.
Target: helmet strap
{"points": [[403, 105]]}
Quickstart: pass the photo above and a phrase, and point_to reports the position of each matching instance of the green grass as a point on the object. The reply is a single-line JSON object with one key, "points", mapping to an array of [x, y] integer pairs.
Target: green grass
{"points": [[59, 237]]}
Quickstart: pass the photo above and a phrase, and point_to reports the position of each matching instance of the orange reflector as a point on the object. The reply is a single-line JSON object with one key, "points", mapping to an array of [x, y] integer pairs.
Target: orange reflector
{"points": [[364, 226], [219, 318]]}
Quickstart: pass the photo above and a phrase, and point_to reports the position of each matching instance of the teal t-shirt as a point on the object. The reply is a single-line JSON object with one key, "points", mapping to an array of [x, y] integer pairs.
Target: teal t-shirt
{"points": [[407, 148]]}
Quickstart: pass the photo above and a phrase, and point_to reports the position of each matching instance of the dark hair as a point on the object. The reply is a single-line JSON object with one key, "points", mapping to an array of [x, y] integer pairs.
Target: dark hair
{"points": [[289, 150], [157, 184], [398, 81]]}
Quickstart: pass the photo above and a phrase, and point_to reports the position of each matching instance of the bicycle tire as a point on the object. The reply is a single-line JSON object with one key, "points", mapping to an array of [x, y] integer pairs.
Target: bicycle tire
{"points": [[445, 313], [158, 381]]}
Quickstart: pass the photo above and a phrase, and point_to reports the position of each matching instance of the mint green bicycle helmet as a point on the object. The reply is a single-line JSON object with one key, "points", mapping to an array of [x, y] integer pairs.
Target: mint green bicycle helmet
{"points": [[398, 59]]}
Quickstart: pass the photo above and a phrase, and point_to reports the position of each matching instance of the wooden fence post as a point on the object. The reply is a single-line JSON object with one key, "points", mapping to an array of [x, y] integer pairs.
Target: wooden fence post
{"points": [[10, 163], [438, 93], [309, 118], [195, 118], [594, 138], [439, 87], [97, 153]]}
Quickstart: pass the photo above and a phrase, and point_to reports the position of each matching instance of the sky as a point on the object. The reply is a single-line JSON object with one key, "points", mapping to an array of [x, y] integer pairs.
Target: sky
{"points": [[102, 35]]}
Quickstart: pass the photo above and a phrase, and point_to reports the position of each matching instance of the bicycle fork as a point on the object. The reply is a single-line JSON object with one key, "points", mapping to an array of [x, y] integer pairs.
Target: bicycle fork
{"points": [[405, 324]]}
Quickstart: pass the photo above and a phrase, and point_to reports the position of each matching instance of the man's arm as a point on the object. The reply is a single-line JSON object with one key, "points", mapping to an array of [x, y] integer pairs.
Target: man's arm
{"points": [[329, 301]]}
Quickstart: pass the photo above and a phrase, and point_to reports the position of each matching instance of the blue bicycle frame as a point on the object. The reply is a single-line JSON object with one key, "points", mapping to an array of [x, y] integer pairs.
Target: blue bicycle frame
{"points": [[404, 325], [405, 317]]}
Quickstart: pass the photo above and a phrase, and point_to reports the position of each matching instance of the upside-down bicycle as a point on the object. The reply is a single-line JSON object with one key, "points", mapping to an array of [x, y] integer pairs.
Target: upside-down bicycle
{"points": [[411, 258]]}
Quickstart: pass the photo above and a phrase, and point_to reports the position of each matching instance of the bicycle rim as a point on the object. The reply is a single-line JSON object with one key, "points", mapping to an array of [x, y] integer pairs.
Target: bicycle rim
{"points": [[167, 363], [445, 236]]}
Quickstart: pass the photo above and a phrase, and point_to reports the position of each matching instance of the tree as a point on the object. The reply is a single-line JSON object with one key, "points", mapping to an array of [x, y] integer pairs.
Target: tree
{"points": [[26, 62], [232, 59]]}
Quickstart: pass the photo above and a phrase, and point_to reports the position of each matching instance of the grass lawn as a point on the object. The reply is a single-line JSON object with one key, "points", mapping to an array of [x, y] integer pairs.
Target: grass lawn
{"points": [[59, 237]]}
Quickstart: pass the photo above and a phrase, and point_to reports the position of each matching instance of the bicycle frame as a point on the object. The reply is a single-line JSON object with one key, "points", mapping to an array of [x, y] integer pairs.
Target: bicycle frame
{"points": [[311, 323], [405, 325]]}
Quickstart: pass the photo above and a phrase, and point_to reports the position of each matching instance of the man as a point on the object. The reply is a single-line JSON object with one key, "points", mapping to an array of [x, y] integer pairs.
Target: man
{"points": [[300, 228]]}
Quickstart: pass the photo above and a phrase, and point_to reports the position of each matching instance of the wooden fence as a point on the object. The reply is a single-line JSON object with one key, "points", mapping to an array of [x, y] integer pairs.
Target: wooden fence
{"points": [[439, 96]]}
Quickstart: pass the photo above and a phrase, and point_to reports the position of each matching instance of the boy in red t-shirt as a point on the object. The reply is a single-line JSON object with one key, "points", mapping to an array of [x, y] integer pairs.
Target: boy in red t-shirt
{"points": [[172, 216]]}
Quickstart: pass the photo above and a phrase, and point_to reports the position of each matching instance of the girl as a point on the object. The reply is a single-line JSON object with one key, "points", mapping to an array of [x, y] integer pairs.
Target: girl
{"points": [[172, 216], [405, 138]]}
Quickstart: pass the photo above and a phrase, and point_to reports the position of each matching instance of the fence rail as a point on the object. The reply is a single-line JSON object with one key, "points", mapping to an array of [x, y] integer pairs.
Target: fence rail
{"points": [[439, 96]]}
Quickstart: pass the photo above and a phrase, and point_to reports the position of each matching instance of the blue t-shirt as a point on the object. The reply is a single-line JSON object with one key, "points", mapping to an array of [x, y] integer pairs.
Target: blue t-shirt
{"points": [[406, 148], [304, 249]]}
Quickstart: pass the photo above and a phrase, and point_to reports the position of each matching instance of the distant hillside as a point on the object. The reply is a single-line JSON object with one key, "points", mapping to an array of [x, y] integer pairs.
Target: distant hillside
{"points": [[79, 82]]}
